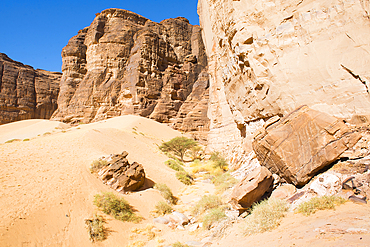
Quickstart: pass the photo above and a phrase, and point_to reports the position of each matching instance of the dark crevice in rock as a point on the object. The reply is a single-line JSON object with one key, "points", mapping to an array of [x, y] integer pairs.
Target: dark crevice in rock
{"points": [[356, 77]]}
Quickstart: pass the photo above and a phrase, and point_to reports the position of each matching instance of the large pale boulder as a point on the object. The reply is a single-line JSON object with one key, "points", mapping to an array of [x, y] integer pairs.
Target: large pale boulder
{"points": [[251, 189], [306, 141]]}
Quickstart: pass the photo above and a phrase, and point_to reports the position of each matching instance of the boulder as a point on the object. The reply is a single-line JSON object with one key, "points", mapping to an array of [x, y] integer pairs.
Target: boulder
{"points": [[326, 184], [283, 192], [121, 175], [303, 143], [251, 189]]}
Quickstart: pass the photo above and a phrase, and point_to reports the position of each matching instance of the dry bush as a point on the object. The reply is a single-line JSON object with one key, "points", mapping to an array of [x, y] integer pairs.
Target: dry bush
{"points": [[265, 216], [319, 203], [96, 228], [118, 207], [166, 193], [205, 203], [214, 215], [224, 182], [96, 165], [184, 177], [162, 208], [175, 164]]}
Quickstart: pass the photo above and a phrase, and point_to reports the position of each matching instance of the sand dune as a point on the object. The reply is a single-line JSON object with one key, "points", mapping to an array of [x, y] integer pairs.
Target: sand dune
{"points": [[47, 190]]}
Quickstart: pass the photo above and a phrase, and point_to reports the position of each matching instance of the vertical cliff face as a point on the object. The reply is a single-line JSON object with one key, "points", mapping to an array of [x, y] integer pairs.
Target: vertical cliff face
{"points": [[124, 63], [26, 93], [267, 58]]}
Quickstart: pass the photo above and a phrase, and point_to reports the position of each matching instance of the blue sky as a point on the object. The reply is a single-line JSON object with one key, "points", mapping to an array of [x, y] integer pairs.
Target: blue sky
{"points": [[34, 32]]}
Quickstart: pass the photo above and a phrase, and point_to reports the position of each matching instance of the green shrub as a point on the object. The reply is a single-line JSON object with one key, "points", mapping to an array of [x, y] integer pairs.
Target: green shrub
{"points": [[96, 228], [223, 182], [319, 203], [162, 208], [26, 140], [118, 207], [175, 165], [219, 161], [166, 193], [214, 215], [12, 140], [205, 203], [184, 177], [265, 216], [178, 146], [97, 165]]}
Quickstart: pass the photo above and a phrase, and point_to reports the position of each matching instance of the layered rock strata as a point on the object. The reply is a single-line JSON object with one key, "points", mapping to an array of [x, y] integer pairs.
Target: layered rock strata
{"points": [[266, 58], [26, 93], [124, 63], [302, 144]]}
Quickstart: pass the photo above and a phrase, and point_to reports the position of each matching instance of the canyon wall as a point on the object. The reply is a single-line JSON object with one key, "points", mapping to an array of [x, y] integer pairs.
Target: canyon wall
{"points": [[124, 63], [266, 58], [26, 93]]}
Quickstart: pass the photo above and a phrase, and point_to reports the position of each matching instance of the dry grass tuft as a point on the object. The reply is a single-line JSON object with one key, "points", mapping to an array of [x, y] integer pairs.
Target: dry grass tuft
{"points": [[118, 207], [319, 203], [184, 177], [205, 203], [96, 165], [224, 182], [166, 193], [96, 228], [162, 208], [214, 215], [265, 216], [175, 164]]}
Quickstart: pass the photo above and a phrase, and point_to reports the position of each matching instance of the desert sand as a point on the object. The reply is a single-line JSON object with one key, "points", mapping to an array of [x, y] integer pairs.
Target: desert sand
{"points": [[47, 191], [46, 187]]}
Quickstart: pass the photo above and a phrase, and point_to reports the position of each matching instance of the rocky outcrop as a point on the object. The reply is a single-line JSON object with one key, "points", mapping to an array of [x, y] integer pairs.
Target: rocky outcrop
{"points": [[124, 63], [121, 175], [303, 143], [26, 93], [266, 58], [251, 189]]}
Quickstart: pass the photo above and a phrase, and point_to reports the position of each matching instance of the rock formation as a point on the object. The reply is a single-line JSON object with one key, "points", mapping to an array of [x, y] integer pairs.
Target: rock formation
{"points": [[266, 58], [124, 63], [303, 143], [251, 189], [26, 93], [121, 175]]}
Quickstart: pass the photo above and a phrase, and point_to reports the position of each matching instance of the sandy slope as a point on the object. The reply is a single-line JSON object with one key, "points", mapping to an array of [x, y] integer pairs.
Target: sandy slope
{"points": [[46, 187]]}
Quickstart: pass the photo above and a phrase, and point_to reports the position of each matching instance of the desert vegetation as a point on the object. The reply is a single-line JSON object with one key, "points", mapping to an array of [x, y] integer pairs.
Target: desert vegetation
{"points": [[115, 206], [96, 228], [265, 216], [178, 146], [162, 208], [319, 203], [96, 165], [166, 193]]}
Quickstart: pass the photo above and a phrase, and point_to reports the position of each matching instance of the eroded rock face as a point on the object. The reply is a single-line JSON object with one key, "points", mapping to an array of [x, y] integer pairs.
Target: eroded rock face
{"points": [[26, 93], [266, 58], [124, 63], [251, 189], [121, 175], [303, 143]]}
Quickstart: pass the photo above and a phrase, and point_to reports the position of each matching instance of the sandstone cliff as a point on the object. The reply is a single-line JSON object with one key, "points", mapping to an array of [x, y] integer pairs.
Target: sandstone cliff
{"points": [[124, 63], [26, 93], [267, 58]]}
